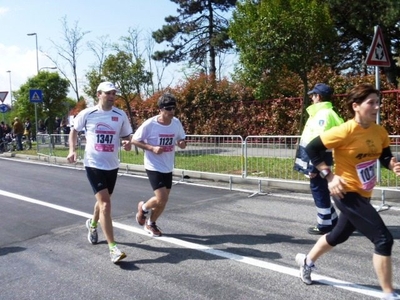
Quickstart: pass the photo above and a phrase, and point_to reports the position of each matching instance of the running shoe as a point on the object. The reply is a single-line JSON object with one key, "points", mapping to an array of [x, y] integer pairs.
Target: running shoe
{"points": [[392, 296], [92, 232], [141, 215], [305, 271], [116, 254], [316, 231], [153, 229]]}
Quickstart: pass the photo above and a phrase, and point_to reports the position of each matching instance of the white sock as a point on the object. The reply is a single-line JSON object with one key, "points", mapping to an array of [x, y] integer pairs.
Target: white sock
{"points": [[144, 208], [309, 262]]}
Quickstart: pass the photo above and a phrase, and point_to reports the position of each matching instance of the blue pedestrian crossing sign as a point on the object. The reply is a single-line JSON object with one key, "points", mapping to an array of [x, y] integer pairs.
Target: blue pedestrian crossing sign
{"points": [[36, 96]]}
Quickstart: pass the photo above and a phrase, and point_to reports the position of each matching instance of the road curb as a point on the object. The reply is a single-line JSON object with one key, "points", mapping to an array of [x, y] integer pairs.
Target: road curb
{"points": [[233, 182]]}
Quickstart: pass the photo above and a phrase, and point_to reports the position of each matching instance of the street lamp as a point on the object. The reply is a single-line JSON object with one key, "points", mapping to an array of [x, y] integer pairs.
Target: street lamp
{"points": [[37, 50], [37, 68], [51, 68], [11, 97]]}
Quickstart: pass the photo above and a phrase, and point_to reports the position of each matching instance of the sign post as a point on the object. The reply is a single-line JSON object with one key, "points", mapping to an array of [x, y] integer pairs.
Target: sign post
{"points": [[378, 56], [36, 96], [4, 107]]}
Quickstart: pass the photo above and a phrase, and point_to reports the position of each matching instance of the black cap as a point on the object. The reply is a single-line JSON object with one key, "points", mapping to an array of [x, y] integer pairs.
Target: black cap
{"points": [[166, 100]]}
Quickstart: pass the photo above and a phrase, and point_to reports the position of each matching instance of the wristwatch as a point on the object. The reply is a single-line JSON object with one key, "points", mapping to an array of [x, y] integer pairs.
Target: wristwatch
{"points": [[325, 172]]}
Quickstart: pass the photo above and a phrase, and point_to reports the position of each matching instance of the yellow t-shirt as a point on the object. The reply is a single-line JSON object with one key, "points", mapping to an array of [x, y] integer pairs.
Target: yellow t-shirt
{"points": [[356, 150]]}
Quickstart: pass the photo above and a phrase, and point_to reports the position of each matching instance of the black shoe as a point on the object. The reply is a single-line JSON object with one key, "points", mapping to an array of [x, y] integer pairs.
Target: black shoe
{"points": [[316, 231]]}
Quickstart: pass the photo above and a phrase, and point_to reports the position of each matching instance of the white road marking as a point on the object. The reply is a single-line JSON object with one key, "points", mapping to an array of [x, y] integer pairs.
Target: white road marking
{"points": [[238, 258]]}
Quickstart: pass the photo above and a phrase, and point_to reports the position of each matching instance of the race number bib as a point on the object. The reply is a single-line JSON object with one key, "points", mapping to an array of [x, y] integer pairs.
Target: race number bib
{"points": [[366, 174], [104, 138], [104, 143], [166, 141]]}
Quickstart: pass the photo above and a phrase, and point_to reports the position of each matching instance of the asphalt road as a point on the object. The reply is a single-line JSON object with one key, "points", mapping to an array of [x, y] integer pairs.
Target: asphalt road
{"points": [[217, 244]]}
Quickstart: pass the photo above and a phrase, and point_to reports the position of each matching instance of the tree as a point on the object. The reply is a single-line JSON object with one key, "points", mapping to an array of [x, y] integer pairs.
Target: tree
{"points": [[55, 91], [355, 20], [79, 106], [276, 35], [198, 33], [157, 68], [131, 44], [93, 76], [127, 73], [100, 48], [93, 79], [69, 51]]}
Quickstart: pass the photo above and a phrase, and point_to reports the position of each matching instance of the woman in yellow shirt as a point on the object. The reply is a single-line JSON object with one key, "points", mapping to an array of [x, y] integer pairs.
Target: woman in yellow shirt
{"points": [[357, 145]]}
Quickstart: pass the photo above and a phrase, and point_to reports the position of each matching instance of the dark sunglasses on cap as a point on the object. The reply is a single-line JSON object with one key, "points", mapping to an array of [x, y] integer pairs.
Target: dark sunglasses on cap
{"points": [[169, 108]]}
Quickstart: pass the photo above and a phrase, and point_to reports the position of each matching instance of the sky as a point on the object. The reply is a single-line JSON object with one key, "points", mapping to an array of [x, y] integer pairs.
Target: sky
{"points": [[44, 17]]}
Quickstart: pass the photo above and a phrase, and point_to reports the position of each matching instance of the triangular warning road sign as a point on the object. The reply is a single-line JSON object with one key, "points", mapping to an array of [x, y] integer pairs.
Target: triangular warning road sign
{"points": [[378, 54], [3, 96], [35, 97]]}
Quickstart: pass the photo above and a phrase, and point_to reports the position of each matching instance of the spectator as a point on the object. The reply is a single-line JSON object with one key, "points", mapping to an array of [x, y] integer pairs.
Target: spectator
{"points": [[57, 129], [49, 125], [3, 128], [7, 133], [2, 149], [41, 130], [7, 129], [65, 130], [28, 133], [41, 127], [18, 130]]}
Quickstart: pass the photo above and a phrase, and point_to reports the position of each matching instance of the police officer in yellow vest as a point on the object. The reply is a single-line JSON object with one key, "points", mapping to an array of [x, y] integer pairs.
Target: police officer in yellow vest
{"points": [[321, 118]]}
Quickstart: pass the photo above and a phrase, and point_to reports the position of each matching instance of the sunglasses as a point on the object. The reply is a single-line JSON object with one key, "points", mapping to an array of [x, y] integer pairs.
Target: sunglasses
{"points": [[110, 93], [169, 108]]}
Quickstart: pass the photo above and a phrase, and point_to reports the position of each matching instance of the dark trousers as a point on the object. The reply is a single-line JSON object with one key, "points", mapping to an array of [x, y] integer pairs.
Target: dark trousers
{"points": [[19, 141], [326, 214]]}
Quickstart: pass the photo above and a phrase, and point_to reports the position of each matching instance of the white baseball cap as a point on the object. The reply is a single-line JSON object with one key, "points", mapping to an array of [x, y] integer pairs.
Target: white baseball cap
{"points": [[106, 86]]}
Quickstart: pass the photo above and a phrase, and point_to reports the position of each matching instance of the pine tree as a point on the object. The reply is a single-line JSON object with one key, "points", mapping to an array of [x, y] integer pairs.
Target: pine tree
{"points": [[199, 33]]}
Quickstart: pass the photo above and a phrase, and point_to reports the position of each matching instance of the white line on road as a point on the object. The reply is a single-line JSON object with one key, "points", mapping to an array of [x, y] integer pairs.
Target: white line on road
{"points": [[238, 258]]}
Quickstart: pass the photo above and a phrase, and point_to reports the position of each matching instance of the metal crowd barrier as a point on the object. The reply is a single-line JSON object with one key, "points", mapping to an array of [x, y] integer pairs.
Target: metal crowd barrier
{"points": [[255, 157]]}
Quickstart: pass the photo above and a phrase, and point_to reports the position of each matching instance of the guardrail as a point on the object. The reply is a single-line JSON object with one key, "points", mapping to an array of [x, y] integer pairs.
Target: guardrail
{"points": [[255, 157]]}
